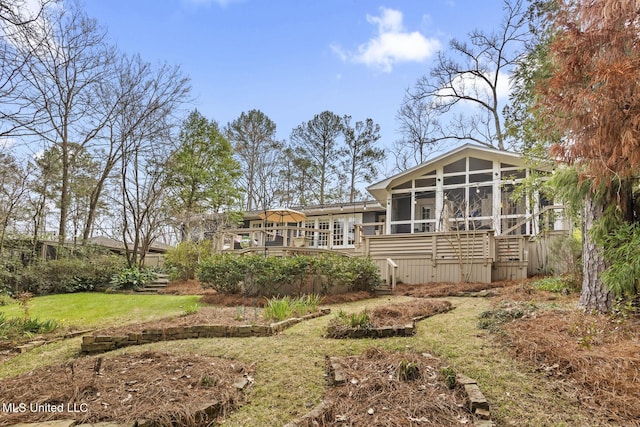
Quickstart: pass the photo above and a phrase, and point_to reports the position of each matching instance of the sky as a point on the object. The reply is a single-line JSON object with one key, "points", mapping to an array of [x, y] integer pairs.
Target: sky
{"points": [[293, 59]]}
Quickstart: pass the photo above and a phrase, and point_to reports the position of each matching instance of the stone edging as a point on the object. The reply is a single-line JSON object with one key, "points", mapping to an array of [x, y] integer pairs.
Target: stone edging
{"points": [[93, 344], [339, 332], [476, 401]]}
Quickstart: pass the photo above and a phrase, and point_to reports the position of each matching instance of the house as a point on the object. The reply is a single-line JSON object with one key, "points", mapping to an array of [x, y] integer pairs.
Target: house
{"points": [[454, 217]]}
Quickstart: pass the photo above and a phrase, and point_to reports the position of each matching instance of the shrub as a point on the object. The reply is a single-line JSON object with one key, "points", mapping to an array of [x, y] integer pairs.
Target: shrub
{"points": [[222, 273], [132, 279], [267, 276], [182, 261], [67, 275]]}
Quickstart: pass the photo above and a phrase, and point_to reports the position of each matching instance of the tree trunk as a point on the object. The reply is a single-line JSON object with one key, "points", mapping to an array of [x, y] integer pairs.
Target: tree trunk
{"points": [[595, 296]]}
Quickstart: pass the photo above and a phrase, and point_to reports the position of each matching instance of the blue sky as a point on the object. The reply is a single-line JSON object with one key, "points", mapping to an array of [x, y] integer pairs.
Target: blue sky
{"points": [[295, 59]]}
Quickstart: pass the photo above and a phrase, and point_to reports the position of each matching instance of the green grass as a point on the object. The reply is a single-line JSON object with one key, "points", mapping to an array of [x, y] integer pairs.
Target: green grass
{"points": [[91, 310], [290, 367]]}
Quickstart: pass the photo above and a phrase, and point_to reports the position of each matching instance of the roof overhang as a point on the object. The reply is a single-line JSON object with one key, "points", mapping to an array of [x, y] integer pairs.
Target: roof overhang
{"points": [[380, 189]]}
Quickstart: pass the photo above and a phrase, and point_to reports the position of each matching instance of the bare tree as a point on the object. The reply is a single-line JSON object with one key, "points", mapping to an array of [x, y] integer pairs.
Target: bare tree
{"points": [[13, 192], [141, 198], [420, 129], [469, 76], [15, 23], [65, 67], [143, 100]]}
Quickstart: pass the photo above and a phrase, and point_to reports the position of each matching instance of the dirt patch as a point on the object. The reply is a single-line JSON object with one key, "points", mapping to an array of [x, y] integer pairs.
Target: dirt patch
{"points": [[440, 289], [207, 315], [186, 287], [407, 312], [187, 390], [593, 358], [380, 388]]}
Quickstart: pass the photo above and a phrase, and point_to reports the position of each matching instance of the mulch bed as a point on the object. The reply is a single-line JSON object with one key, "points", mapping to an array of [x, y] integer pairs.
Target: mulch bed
{"points": [[404, 313], [239, 315], [593, 358], [445, 289], [390, 316], [149, 386], [379, 390]]}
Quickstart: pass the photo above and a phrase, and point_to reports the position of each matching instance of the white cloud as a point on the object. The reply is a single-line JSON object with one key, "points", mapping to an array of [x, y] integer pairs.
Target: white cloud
{"points": [[476, 87], [393, 44]]}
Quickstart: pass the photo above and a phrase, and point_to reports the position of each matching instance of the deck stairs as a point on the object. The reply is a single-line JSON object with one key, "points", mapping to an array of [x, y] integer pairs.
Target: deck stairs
{"points": [[160, 283]]}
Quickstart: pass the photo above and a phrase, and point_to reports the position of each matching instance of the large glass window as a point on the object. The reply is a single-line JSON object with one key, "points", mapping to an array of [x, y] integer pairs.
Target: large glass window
{"points": [[481, 201], [479, 164], [510, 206], [338, 232], [351, 231], [425, 211], [401, 207], [457, 166], [323, 225]]}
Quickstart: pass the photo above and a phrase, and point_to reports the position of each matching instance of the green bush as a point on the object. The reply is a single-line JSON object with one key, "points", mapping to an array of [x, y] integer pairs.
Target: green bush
{"points": [[66, 275], [267, 276], [132, 279], [222, 272], [622, 276], [182, 261]]}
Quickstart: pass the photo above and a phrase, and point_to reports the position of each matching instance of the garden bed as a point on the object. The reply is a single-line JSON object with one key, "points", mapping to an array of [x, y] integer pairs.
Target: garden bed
{"points": [[148, 387], [382, 388], [208, 322], [385, 321], [593, 359]]}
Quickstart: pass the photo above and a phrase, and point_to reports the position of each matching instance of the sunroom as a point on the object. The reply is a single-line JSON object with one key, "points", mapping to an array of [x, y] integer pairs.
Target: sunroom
{"points": [[469, 188]]}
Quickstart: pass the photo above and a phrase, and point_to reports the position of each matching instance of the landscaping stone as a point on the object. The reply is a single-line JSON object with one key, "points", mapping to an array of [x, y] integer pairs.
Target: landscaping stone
{"points": [[208, 413], [476, 398], [92, 344]]}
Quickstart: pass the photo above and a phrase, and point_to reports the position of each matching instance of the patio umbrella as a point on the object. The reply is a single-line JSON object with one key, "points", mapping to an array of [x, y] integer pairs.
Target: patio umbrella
{"points": [[282, 215]]}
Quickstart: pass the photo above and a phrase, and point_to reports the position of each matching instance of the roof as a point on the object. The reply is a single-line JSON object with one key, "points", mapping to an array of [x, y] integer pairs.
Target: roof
{"points": [[379, 189], [109, 243]]}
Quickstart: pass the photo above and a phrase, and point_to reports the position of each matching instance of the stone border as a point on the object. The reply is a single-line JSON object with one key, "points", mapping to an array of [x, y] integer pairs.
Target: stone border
{"points": [[93, 344], [476, 401], [340, 332]]}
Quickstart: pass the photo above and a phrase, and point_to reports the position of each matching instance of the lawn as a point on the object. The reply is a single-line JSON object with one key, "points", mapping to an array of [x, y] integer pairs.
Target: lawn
{"points": [[91, 310], [290, 367]]}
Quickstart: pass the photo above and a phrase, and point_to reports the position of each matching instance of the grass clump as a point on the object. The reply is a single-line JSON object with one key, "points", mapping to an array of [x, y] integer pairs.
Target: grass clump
{"points": [[18, 328], [282, 308], [449, 375], [555, 284], [492, 319], [360, 320]]}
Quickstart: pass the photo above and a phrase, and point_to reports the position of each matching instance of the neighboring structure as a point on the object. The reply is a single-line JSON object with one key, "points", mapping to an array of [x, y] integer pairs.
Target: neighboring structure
{"points": [[452, 218]]}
